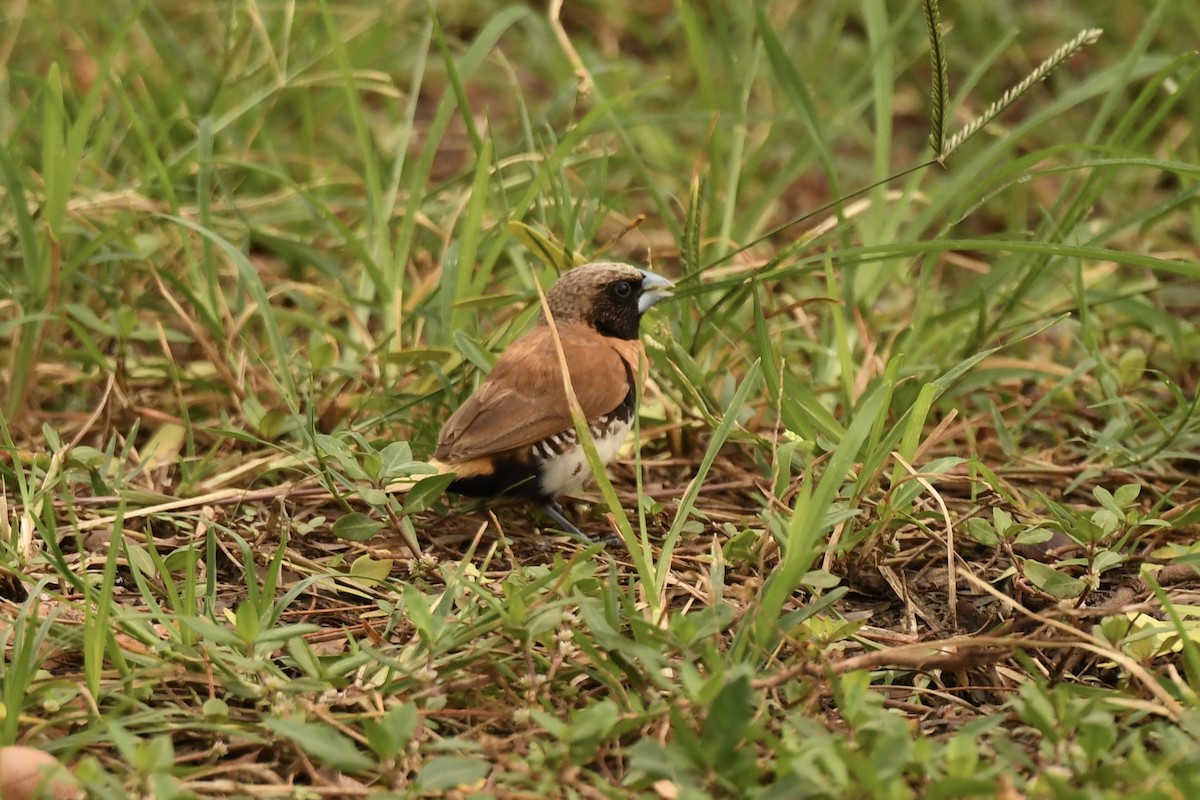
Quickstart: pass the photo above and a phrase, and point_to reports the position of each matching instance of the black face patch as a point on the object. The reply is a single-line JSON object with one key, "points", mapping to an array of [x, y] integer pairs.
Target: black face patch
{"points": [[621, 290], [615, 308]]}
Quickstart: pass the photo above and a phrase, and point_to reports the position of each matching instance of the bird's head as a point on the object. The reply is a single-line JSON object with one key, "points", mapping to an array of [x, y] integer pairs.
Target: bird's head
{"points": [[609, 296]]}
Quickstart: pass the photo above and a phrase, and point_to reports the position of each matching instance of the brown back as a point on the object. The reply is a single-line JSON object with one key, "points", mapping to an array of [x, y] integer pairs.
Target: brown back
{"points": [[523, 401]]}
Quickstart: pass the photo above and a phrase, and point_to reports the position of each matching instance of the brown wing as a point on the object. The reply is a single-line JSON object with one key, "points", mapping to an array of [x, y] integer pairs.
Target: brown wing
{"points": [[523, 400]]}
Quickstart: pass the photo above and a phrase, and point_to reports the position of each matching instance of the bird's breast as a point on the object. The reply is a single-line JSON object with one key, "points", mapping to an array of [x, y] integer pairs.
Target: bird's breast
{"points": [[562, 461]]}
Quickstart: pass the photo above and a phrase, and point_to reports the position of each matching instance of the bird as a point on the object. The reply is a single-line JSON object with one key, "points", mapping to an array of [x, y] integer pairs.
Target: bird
{"points": [[514, 435]]}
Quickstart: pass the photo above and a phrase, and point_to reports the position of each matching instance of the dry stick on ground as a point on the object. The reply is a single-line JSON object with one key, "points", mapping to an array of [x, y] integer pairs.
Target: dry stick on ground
{"points": [[305, 489], [1090, 643], [965, 651], [960, 652], [954, 653]]}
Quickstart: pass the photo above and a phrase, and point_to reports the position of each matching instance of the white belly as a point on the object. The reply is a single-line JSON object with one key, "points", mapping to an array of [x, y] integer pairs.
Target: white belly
{"points": [[566, 472]]}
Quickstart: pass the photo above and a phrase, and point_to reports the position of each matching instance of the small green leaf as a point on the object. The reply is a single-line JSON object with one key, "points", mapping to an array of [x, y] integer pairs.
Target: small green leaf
{"points": [[395, 458], [1036, 709], [215, 709], [1002, 520], [402, 721], [322, 352], [821, 579], [305, 658], [247, 621], [1033, 536], [1051, 581], [981, 531], [389, 735], [324, 743], [367, 567], [852, 692], [451, 772], [211, 632], [1098, 735], [372, 464], [272, 423], [356, 527], [380, 740], [376, 498], [552, 724], [962, 756], [273, 637], [589, 727], [727, 720], [1108, 501], [419, 613], [139, 558], [158, 754], [1106, 560], [339, 451], [1106, 521], [425, 490], [332, 446], [1127, 494], [1115, 628], [472, 351], [653, 760], [1085, 529], [1131, 366]]}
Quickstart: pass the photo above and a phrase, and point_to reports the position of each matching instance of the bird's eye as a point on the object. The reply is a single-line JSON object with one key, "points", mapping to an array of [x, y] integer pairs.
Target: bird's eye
{"points": [[622, 289]]}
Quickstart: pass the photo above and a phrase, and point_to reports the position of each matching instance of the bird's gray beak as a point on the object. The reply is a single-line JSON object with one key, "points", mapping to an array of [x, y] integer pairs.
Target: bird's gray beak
{"points": [[655, 288]]}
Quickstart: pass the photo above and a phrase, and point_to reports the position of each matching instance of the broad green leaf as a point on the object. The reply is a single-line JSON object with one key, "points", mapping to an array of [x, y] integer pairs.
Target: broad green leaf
{"points": [[727, 720], [444, 773], [211, 632], [324, 743], [424, 491], [356, 527], [1051, 581], [419, 613], [374, 568], [390, 735], [1127, 494], [589, 727], [277, 636]]}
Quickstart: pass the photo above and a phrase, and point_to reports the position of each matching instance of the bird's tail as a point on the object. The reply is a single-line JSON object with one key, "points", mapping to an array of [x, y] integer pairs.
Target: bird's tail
{"points": [[441, 466]]}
